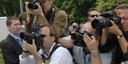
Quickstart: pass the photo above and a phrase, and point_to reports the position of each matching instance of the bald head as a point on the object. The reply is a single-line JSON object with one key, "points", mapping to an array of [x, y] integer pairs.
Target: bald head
{"points": [[87, 26], [74, 24]]}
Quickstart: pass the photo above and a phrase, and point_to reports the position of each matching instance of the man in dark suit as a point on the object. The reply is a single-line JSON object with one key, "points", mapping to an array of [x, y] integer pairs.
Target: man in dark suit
{"points": [[12, 46]]}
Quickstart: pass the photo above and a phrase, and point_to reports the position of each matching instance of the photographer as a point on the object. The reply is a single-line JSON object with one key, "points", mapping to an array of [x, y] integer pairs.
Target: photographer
{"points": [[93, 13], [47, 14], [120, 38], [92, 45], [50, 52], [74, 28], [81, 54]]}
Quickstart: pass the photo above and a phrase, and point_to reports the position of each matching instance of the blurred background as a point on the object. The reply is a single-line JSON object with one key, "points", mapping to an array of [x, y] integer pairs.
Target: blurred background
{"points": [[76, 9]]}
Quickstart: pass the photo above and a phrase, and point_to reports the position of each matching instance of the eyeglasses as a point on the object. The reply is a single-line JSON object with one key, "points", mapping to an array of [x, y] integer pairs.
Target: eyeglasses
{"points": [[42, 35], [94, 15], [125, 18]]}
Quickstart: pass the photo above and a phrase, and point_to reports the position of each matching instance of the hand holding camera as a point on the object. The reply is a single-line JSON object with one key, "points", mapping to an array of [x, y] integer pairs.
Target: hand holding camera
{"points": [[114, 29], [91, 42], [100, 23], [78, 38], [29, 47], [34, 8]]}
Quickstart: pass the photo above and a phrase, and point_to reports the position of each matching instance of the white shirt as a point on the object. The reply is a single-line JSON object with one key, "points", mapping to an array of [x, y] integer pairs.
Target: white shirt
{"points": [[60, 56], [106, 58]]}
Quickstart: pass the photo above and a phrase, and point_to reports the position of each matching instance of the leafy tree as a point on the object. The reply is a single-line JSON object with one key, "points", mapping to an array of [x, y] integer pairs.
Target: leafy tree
{"points": [[11, 8], [76, 9], [106, 5]]}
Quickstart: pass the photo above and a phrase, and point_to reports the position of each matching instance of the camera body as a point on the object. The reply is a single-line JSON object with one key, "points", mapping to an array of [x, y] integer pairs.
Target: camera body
{"points": [[100, 23], [29, 37], [78, 38], [32, 5], [74, 27], [34, 35]]}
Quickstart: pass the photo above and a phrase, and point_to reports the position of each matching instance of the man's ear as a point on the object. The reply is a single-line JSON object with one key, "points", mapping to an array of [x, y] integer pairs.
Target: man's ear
{"points": [[53, 38], [89, 17], [8, 27]]}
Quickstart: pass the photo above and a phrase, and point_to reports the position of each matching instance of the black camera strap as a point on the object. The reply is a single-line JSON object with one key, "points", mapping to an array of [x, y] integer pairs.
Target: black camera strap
{"points": [[53, 49]]}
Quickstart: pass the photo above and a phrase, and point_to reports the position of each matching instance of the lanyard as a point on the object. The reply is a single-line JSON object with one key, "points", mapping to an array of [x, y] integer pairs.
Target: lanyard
{"points": [[89, 59], [47, 61], [84, 55]]}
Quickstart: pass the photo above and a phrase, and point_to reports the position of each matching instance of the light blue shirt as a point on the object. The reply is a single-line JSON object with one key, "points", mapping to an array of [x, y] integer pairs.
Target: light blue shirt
{"points": [[18, 39]]}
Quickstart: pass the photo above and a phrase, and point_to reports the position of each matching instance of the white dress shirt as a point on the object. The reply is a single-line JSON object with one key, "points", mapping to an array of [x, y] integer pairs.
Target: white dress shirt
{"points": [[60, 56]]}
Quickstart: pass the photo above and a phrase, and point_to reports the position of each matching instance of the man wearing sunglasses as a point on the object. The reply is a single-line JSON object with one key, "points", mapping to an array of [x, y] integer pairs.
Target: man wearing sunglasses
{"points": [[93, 13], [50, 52]]}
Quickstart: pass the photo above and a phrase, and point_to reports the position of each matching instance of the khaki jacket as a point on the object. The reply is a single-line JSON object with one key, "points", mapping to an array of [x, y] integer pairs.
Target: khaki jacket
{"points": [[60, 22]]}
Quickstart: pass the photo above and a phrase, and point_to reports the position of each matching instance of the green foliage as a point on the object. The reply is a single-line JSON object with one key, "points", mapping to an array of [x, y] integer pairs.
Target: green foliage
{"points": [[1, 43], [11, 8], [1, 58], [106, 5], [76, 9]]}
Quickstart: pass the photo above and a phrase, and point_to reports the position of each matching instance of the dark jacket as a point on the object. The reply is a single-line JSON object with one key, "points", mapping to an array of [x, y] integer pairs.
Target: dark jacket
{"points": [[11, 50]]}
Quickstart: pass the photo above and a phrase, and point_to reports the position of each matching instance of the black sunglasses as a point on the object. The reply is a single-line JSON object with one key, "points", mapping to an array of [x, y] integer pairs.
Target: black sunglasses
{"points": [[94, 15], [42, 35]]}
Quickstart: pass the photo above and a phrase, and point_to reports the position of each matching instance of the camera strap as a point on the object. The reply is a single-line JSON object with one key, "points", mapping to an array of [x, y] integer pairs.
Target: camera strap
{"points": [[53, 49], [54, 16]]}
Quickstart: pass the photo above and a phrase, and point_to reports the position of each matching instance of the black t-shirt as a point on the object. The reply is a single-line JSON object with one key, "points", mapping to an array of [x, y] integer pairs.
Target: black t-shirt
{"points": [[112, 42]]}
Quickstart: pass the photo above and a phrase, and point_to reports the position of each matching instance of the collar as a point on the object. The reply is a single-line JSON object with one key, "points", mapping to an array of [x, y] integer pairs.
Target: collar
{"points": [[15, 36], [49, 51]]}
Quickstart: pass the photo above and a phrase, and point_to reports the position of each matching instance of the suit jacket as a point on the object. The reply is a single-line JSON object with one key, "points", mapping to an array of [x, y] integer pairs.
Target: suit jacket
{"points": [[11, 50]]}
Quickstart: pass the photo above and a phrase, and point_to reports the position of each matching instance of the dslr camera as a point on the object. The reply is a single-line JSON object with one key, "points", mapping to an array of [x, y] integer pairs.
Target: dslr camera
{"points": [[100, 23], [74, 27], [34, 35], [78, 38], [32, 5]]}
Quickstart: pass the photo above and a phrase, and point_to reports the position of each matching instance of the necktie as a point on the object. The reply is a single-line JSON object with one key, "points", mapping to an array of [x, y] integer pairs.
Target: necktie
{"points": [[20, 42]]}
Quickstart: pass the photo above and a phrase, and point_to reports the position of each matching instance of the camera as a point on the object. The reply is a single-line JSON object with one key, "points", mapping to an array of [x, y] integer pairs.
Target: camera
{"points": [[34, 35], [78, 38], [100, 23], [32, 5], [74, 27]]}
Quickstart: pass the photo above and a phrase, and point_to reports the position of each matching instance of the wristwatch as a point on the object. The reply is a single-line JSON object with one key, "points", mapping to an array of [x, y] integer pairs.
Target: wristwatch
{"points": [[25, 51], [120, 36], [95, 53]]}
